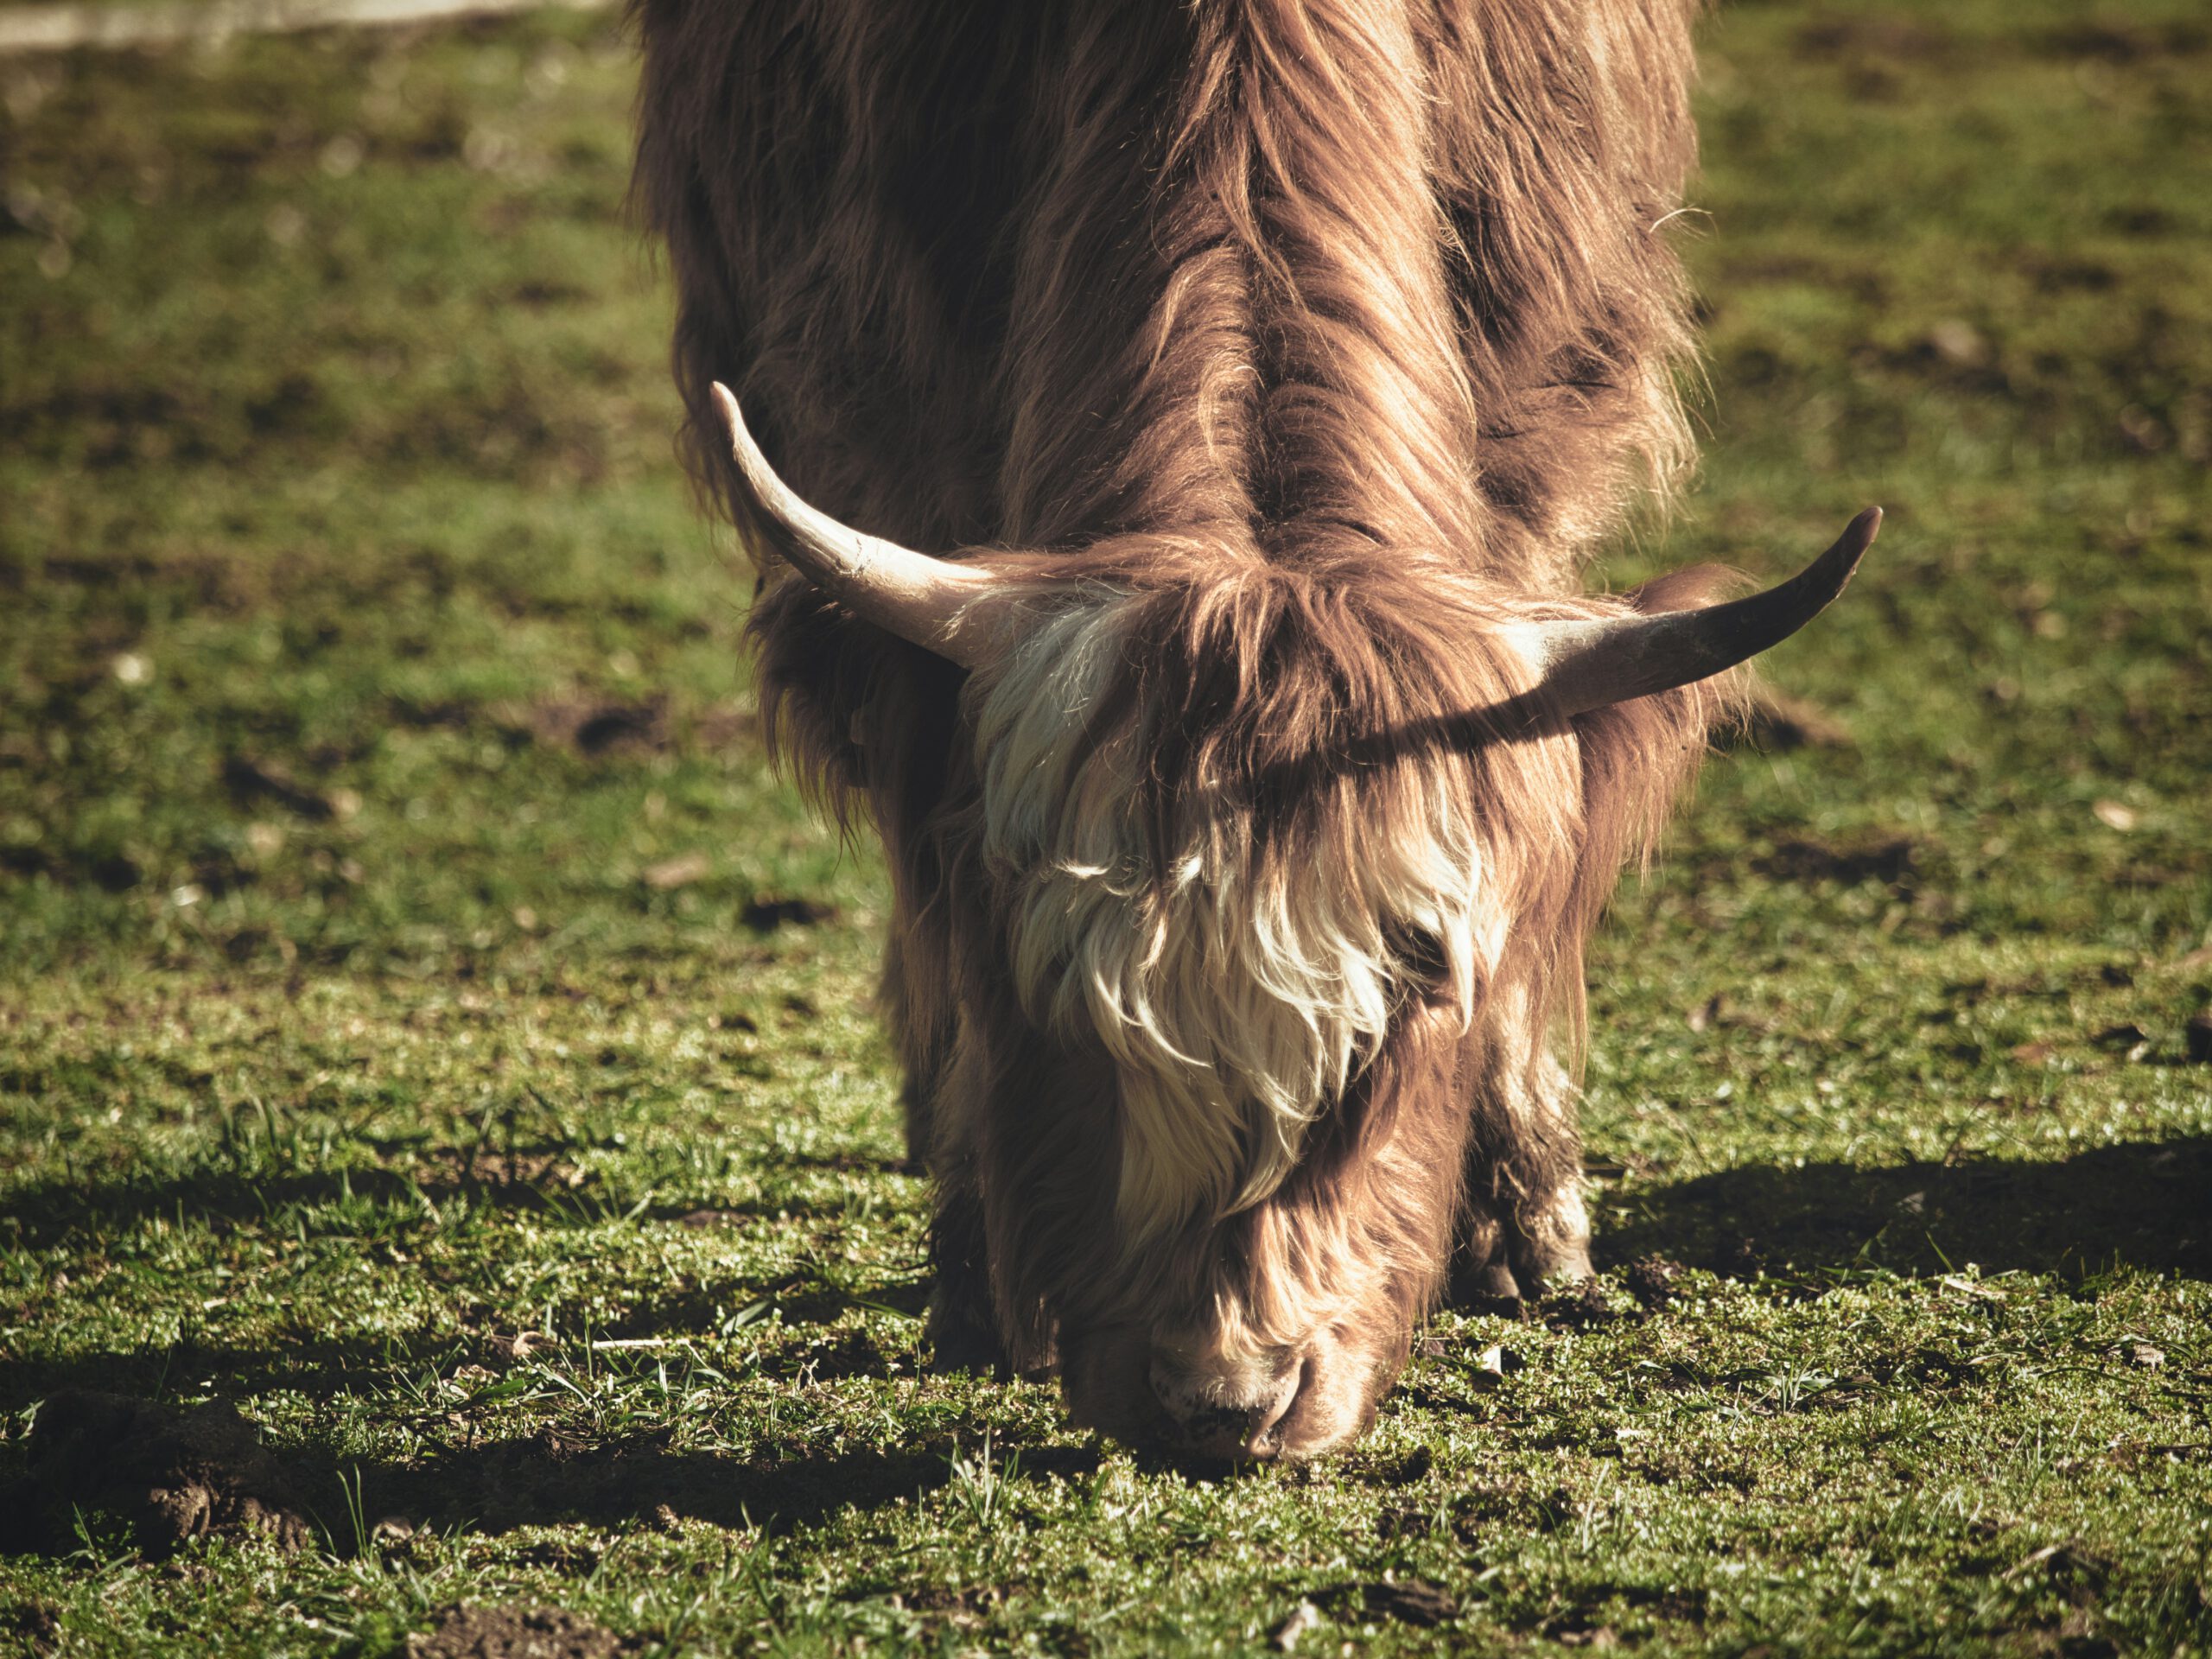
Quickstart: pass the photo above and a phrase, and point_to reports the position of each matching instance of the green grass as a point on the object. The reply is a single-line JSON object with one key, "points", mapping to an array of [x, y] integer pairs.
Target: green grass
{"points": [[390, 877]]}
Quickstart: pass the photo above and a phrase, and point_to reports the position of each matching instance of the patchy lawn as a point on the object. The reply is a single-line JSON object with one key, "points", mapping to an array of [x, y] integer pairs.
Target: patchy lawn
{"points": [[445, 1153]]}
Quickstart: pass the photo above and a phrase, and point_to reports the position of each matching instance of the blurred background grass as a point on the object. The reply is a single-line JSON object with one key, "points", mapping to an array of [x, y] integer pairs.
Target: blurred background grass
{"points": [[358, 619]]}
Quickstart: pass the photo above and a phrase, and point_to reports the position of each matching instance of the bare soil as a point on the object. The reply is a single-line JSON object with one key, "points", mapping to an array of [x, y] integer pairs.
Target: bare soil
{"points": [[173, 1475], [516, 1633]]}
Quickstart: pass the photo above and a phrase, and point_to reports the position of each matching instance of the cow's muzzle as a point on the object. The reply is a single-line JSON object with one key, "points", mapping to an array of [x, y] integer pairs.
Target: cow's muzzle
{"points": [[1235, 1414], [1172, 1392]]}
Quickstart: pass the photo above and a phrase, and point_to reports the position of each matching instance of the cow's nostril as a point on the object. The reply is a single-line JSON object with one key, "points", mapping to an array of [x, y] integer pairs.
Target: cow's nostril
{"points": [[1265, 1441], [1225, 1415]]}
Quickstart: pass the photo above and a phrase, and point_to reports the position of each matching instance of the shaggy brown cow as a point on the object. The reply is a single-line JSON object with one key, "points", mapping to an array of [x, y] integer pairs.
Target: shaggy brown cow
{"points": [[1250, 765]]}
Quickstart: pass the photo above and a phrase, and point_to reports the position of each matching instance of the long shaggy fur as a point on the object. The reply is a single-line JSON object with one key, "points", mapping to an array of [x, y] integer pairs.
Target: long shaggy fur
{"points": [[1308, 344]]}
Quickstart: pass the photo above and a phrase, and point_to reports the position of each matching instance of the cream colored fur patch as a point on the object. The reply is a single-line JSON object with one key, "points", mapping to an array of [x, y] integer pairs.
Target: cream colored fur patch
{"points": [[1237, 999]]}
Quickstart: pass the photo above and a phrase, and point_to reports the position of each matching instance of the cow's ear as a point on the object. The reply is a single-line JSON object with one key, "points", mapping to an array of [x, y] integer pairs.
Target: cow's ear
{"points": [[1693, 588]]}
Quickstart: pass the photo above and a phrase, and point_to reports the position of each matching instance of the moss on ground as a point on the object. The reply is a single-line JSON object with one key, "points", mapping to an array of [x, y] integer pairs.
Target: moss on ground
{"points": [[425, 1025]]}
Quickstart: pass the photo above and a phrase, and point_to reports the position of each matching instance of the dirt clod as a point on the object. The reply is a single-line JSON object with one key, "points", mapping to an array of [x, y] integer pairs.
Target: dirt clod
{"points": [[1651, 1279], [1411, 1468], [250, 779], [174, 1475], [1779, 721], [1582, 1306], [618, 726], [36, 1624], [1412, 1601], [591, 728], [516, 1633], [767, 915], [1891, 861], [1739, 1257]]}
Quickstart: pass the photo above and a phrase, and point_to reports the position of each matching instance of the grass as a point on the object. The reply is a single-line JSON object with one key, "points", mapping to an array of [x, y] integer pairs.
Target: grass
{"points": [[424, 1024]]}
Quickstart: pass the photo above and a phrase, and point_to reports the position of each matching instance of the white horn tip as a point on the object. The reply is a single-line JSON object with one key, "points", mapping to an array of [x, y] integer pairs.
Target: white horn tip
{"points": [[732, 417], [774, 495]]}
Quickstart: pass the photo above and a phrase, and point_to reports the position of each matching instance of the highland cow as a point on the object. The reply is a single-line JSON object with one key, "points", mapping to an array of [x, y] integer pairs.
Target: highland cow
{"points": [[1251, 767]]}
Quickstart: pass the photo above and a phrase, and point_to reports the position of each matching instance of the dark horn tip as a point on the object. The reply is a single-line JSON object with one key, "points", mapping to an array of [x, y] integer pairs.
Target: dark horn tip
{"points": [[1843, 559], [1859, 535]]}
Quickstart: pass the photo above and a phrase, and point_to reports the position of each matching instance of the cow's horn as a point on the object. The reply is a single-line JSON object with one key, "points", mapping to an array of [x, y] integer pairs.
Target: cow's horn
{"points": [[1586, 666], [929, 602]]}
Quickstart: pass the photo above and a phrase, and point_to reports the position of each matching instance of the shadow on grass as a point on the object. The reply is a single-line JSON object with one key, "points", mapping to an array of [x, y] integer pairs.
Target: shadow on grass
{"points": [[500, 1486], [2143, 1205], [146, 1454], [320, 1369], [48, 1213], [44, 1214]]}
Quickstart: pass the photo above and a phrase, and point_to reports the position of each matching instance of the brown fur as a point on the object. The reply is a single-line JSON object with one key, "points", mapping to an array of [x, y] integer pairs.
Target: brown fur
{"points": [[1326, 337]]}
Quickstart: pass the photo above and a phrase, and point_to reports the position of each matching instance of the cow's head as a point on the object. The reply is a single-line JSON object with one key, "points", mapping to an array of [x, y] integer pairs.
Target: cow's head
{"points": [[1276, 870]]}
